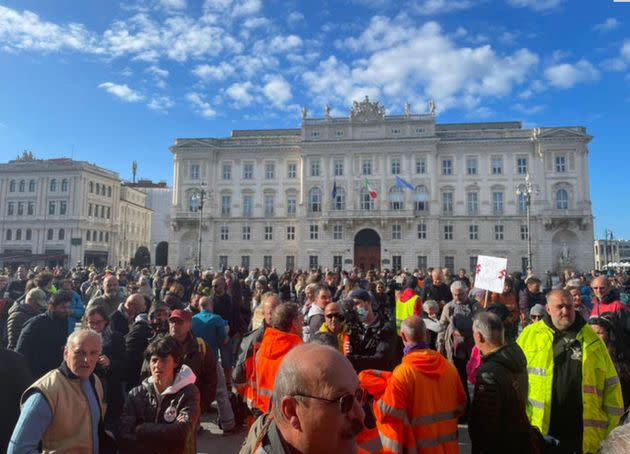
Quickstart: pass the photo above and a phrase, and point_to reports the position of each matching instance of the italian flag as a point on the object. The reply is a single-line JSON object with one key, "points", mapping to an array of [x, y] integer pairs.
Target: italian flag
{"points": [[371, 191]]}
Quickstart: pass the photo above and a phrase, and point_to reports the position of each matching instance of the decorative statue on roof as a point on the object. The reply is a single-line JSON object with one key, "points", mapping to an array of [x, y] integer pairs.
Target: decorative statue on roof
{"points": [[432, 107], [367, 110]]}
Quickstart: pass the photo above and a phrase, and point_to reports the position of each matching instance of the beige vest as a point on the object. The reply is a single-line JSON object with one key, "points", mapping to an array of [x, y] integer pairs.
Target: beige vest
{"points": [[70, 431]]}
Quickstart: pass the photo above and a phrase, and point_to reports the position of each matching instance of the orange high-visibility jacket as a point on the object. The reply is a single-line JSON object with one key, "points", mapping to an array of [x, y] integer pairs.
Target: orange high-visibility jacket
{"points": [[374, 382], [420, 407], [274, 346]]}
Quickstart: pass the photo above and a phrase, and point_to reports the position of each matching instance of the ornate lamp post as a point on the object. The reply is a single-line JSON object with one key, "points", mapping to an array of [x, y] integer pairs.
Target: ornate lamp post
{"points": [[526, 190], [200, 196]]}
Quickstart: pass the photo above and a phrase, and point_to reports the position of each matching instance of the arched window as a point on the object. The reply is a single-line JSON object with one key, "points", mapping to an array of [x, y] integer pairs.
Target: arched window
{"points": [[315, 200], [396, 198], [339, 202], [91, 185], [62, 234], [194, 202], [29, 234], [18, 235], [421, 198], [31, 186], [9, 235], [12, 186], [22, 186], [366, 202], [64, 185], [49, 235], [562, 199], [53, 185]]}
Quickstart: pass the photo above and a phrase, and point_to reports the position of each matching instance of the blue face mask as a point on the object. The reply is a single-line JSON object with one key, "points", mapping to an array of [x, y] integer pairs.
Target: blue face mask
{"points": [[362, 313]]}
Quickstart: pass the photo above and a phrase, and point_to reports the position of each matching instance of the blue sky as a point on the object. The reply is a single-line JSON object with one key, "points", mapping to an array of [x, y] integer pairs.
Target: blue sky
{"points": [[109, 82]]}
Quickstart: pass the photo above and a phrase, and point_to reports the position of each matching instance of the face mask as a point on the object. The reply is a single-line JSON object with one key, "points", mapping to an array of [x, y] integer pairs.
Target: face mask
{"points": [[362, 313]]}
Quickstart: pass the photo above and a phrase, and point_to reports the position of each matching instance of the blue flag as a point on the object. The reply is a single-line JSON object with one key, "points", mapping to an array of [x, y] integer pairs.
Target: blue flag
{"points": [[400, 183], [334, 191]]}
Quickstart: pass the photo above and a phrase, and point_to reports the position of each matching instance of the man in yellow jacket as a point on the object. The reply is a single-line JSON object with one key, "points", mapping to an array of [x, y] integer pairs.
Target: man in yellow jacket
{"points": [[574, 392]]}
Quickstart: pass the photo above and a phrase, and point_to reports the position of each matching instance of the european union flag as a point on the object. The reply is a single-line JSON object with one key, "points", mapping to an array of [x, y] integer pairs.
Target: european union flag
{"points": [[400, 183], [334, 191]]}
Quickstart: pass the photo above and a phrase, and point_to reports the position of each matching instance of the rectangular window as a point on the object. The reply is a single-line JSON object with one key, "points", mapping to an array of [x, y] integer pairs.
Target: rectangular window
{"points": [[245, 261], [109, 212], [472, 264], [366, 167], [422, 262], [63, 207], [395, 166], [267, 262], [396, 262], [497, 166], [448, 232], [422, 231], [338, 167], [268, 232], [471, 166], [31, 208], [449, 262], [497, 202], [315, 170], [247, 233], [447, 203], [194, 171], [522, 203], [227, 171], [447, 167], [10, 207], [290, 262], [313, 262], [524, 232], [421, 166], [89, 209], [226, 203], [521, 166], [473, 232], [291, 205], [270, 171], [225, 233], [498, 232], [291, 170], [472, 201], [561, 164], [247, 205], [269, 205], [20, 208], [51, 207], [248, 171], [396, 232], [338, 232], [524, 264], [337, 261], [290, 233], [314, 231], [223, 262]]}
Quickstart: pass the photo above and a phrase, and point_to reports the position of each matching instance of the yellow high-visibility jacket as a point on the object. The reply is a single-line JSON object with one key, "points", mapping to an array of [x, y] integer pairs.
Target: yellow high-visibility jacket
{"points": [[601, 392], [405, 303]]}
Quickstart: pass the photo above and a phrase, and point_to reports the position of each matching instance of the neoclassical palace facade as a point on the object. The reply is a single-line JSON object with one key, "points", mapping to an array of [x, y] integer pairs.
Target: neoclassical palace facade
{"points": [[445, 193]]}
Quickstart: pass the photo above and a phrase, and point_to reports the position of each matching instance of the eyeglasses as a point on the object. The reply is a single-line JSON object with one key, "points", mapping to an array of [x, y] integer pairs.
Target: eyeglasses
{"points": [[335, 315], [345, 402], [536, 317], [599, 288]]}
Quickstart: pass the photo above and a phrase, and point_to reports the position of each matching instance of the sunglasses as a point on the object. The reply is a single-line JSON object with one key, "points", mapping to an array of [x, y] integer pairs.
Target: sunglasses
{"points": [[536, 317], [337, 316], [345, 402]]}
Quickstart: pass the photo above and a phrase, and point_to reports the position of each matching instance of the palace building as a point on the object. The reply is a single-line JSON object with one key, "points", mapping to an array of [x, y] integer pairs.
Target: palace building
{"points": [[444, 194]]}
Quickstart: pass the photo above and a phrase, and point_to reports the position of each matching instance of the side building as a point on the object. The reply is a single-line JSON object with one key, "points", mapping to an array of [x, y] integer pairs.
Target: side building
{"points": [[445, 193], [59, 212]]}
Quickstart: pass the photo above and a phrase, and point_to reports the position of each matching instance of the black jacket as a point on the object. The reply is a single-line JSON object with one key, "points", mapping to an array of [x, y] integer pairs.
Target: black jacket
{"points": [[136, 342], [113, 376], [42, 341], [498, 422], [118, 322], [19, 314], [440, 293], [15, 377], [374, 348]]}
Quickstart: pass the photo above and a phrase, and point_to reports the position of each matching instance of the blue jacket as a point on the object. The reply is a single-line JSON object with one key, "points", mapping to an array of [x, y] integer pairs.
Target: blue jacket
{"points": [[77, 308], [211, 328]]}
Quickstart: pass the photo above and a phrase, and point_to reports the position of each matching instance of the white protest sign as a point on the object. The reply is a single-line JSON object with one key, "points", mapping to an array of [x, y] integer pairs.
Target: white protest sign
{"points": [[490, 273]]}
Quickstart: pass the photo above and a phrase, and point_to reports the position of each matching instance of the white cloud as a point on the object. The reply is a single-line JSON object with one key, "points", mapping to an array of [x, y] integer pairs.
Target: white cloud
{"points": [[537, 5], [609, 24], [157, 71], [122, 91], [381, 33], [280, 44], [200, 106], [535, 87], [566, 75], [233, 8], [434, 7], [173, 4], [240, 93], [294, 18], [217, 72], [256, 22], [528, 110], [277, 90], [160, 103]]}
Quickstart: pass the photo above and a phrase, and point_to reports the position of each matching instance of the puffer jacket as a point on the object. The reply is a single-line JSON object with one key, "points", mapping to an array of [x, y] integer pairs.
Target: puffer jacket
{"points": [[19, 314], [166, 423]]}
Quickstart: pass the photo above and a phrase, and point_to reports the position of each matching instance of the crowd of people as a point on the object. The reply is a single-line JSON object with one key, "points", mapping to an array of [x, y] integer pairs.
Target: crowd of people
{"points": [[320, 361]]}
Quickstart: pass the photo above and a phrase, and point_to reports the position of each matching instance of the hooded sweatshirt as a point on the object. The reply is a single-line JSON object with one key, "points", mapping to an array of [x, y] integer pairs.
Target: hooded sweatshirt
{"points": [[406, 295]]}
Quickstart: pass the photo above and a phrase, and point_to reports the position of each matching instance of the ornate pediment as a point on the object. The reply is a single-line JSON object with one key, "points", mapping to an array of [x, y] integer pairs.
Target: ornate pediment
{"points": [[367, 110]]}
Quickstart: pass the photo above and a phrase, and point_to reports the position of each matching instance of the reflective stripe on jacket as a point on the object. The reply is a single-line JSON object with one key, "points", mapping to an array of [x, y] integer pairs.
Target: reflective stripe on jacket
{"points": [[404, 309], [420, 406], [601, 392], [374, 382]]}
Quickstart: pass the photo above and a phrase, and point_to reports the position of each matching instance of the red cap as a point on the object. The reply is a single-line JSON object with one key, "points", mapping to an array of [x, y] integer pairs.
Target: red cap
{"points": [[181, 314]]}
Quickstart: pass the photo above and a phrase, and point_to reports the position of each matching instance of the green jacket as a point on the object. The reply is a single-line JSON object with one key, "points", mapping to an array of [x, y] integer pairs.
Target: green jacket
{"points": [[601, 392]]}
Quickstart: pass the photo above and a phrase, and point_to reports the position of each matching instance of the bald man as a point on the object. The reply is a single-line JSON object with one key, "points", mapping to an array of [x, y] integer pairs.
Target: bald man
{"points": [[123, 318], [317, 405], [606, 299], [334, 323]]}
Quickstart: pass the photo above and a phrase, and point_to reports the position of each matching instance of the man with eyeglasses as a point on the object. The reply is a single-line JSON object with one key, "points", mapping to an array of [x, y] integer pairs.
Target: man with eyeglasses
{"points": [[537, 313], [334, 323], [316, 408], [606, 298]]}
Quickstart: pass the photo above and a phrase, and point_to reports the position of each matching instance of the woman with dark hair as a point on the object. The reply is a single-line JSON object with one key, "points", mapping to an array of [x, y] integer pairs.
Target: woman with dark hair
{"points": [[111, 364], [619, 353], [161, 414]]}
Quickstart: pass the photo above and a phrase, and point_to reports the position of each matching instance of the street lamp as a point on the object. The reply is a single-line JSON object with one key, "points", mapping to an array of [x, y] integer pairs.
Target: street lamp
{"points": [[526, 190], [200, 197]]}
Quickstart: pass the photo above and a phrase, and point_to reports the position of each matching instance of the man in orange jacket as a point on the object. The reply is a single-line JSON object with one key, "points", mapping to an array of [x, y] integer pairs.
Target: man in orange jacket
{"points": [[284, 334], [424, 397]]}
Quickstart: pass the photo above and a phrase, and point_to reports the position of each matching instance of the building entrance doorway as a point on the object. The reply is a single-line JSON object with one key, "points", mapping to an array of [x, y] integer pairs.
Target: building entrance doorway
{"points": [[367, 250]]}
